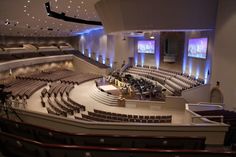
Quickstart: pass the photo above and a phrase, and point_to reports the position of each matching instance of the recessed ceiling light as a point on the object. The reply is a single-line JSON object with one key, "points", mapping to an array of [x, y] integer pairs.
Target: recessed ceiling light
{"points": [[70, 1], [55, 0], [28, 14], [28, 1], [56, 7], [24, 10], [82, 2], [33, 17], [69, 7], [25, 6]]}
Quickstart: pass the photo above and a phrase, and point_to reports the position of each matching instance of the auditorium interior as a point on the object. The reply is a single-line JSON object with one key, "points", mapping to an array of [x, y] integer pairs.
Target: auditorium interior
{"points": [[127, 78]]}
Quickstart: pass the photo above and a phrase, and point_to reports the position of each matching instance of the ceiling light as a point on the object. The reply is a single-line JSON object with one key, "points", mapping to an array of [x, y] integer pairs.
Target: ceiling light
{"points": [[69, 7], [152, 37], [28, 1], [56, 7], [7, 23], [25, 6], [28, 14]]}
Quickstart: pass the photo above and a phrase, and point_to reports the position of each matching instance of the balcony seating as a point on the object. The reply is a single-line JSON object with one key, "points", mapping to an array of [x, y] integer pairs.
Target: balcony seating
{"points": [[24, 147], [229, 117], [46, 135], [90, 60]]}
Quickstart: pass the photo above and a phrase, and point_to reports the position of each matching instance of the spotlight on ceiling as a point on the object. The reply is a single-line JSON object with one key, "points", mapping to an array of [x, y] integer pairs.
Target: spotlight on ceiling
{"points": [[7, 23], [152, 37]]}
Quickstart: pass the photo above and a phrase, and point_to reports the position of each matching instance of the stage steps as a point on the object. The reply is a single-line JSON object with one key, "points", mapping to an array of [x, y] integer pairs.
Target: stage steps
{"points": [[102, 97]]}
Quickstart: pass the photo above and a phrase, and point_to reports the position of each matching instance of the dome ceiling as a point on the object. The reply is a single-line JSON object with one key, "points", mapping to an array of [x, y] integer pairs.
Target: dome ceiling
{"points": [[29, 17]]}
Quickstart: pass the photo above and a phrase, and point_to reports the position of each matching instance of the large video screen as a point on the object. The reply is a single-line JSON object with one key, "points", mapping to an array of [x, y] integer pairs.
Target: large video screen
{"points": [[146, 46], [197, 48]]}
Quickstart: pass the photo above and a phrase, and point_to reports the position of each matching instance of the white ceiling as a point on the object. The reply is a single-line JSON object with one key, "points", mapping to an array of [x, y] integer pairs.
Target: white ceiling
{"points": [[29, 17]]}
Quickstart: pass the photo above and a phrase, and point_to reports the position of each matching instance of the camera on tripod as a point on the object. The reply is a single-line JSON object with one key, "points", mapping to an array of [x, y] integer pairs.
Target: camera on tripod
{"points": [[3, 94], [5, 106]]}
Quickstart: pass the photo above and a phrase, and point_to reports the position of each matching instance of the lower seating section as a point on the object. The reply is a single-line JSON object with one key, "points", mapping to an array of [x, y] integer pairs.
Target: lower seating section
{"points": [[229, 117], [58, 100], [58, 104], [175, 82], [28, 140]]}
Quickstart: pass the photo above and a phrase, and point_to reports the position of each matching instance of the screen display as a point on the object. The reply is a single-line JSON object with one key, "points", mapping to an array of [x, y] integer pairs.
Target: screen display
{"points": [[146, 46], [197, 47]]}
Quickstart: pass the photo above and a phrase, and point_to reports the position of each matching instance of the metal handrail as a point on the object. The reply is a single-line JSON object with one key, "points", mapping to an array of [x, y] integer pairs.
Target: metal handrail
{"points": [[221, 118]]}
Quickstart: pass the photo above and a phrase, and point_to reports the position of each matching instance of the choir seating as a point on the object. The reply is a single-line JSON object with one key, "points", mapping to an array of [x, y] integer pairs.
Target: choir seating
{"points": [[175, 82]]}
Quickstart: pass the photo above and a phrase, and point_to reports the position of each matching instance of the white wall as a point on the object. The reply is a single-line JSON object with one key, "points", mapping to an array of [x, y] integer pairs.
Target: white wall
{"points": [[224, 59], [109, 48]]}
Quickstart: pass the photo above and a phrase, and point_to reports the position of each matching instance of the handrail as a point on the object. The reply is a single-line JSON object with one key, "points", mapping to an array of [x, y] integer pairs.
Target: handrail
{"points": [[98, 135], [21, 141], [221, 118], [124, 68]]}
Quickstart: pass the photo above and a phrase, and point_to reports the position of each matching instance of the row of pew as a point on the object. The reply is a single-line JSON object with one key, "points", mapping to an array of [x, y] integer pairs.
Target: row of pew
{"points": [[23, 88], [103, 116], [48, 76], [29, 140]]}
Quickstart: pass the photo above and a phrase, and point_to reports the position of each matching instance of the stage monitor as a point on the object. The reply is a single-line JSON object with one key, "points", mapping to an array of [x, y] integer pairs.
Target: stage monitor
{"points": [[197, 47], [146, 46]]}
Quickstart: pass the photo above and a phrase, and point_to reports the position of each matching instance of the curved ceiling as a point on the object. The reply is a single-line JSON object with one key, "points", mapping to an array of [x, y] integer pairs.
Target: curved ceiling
{"points": [[161, 15], [29, 17]]}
